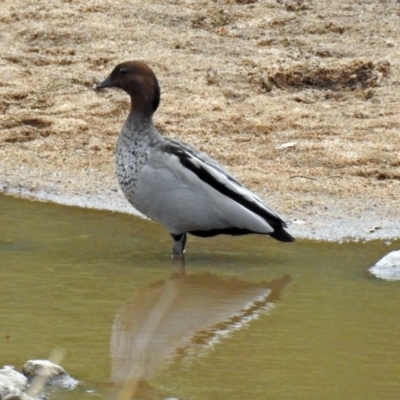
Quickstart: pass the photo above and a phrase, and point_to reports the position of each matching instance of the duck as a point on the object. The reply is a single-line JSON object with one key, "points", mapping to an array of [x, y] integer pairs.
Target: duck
{"points": [[173, 183]]}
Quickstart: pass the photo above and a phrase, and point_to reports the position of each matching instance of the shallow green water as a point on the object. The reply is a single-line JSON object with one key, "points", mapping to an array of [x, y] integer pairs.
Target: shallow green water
{"points": [[252, 319]]}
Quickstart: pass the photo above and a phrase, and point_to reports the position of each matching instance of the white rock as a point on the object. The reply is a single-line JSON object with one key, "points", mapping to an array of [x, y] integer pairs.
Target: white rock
{"points": [[34, 368], [16, 379], [12, 385], [53, 374], [286, 145], [388, 267], [299, 222]]}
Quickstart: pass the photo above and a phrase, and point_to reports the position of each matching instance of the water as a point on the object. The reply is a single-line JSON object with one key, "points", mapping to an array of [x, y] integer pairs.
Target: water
{"points": [[252, 319]]}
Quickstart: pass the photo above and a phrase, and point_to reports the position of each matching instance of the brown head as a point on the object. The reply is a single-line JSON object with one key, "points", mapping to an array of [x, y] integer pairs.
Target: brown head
{"points": [[139, 81]]}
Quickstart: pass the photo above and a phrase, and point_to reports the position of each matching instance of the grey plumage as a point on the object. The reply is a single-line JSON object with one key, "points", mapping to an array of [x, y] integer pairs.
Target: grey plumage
{"points": [[173, 183]]}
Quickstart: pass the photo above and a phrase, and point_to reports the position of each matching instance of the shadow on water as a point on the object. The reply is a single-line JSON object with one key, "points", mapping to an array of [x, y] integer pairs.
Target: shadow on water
{"points": [[180, 318], [101, 287]]}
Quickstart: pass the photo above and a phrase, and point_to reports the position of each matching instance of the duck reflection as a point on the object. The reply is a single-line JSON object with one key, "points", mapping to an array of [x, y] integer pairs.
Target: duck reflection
{"points": [[182, 317]]}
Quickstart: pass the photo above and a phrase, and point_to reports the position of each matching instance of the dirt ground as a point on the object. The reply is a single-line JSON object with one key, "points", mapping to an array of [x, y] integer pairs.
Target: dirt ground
{"points": [[299, 99]]}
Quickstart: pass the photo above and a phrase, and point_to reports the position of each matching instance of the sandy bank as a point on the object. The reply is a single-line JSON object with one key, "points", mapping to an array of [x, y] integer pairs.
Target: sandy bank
{"points": [[299, 99]]}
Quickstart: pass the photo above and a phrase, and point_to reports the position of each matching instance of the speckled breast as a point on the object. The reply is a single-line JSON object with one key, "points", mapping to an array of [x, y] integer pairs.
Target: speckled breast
{"points": [[129, 162]]}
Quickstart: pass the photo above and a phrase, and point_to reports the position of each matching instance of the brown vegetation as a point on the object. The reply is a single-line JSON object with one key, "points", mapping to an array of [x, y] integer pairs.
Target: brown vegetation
{"points": [[300, 99]]}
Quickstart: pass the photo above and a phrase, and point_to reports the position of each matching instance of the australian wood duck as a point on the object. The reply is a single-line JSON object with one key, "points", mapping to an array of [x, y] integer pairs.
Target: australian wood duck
{"points": [[173, 183]]}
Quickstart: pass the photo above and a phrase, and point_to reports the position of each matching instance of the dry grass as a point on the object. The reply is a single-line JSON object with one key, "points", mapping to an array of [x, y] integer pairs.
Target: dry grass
{"points": [[238, 78]]}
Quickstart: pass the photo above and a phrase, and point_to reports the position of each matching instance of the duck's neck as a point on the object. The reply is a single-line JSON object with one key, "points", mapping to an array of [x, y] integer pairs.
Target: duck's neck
{"points": [[139, 128]]}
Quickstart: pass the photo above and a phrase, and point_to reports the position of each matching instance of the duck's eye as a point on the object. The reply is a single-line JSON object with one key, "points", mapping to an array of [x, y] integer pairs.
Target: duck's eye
{"points": [[123, 71]]}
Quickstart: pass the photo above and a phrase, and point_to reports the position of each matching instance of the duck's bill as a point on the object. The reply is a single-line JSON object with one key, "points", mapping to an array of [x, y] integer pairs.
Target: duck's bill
{"points": [[105, 84]]}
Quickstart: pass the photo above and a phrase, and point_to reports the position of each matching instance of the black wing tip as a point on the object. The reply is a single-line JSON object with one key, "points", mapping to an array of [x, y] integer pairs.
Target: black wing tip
{"points": [[282, 235]]}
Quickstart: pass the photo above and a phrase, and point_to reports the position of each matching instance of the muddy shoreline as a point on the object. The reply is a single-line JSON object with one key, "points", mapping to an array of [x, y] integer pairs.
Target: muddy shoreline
{"points": [[335, 221]]}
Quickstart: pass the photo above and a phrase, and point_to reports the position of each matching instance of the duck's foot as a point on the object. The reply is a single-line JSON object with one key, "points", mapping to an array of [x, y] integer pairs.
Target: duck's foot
{"points": [[178, 261]]}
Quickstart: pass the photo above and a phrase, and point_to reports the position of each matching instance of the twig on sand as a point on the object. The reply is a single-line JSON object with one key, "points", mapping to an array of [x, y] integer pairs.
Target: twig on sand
{"points": [[315, 179]]}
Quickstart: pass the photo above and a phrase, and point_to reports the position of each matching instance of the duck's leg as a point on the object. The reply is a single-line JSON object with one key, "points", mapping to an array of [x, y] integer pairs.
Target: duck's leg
{"points": [[179, 244]]}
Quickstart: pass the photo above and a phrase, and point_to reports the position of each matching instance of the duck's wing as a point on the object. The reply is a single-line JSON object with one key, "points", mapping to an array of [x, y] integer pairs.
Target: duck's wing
{"points": [[206, 159], [216, 176]]}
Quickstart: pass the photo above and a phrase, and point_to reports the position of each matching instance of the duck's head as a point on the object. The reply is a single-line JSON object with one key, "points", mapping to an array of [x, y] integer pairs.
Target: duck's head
{"points": [[139, 81]]}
